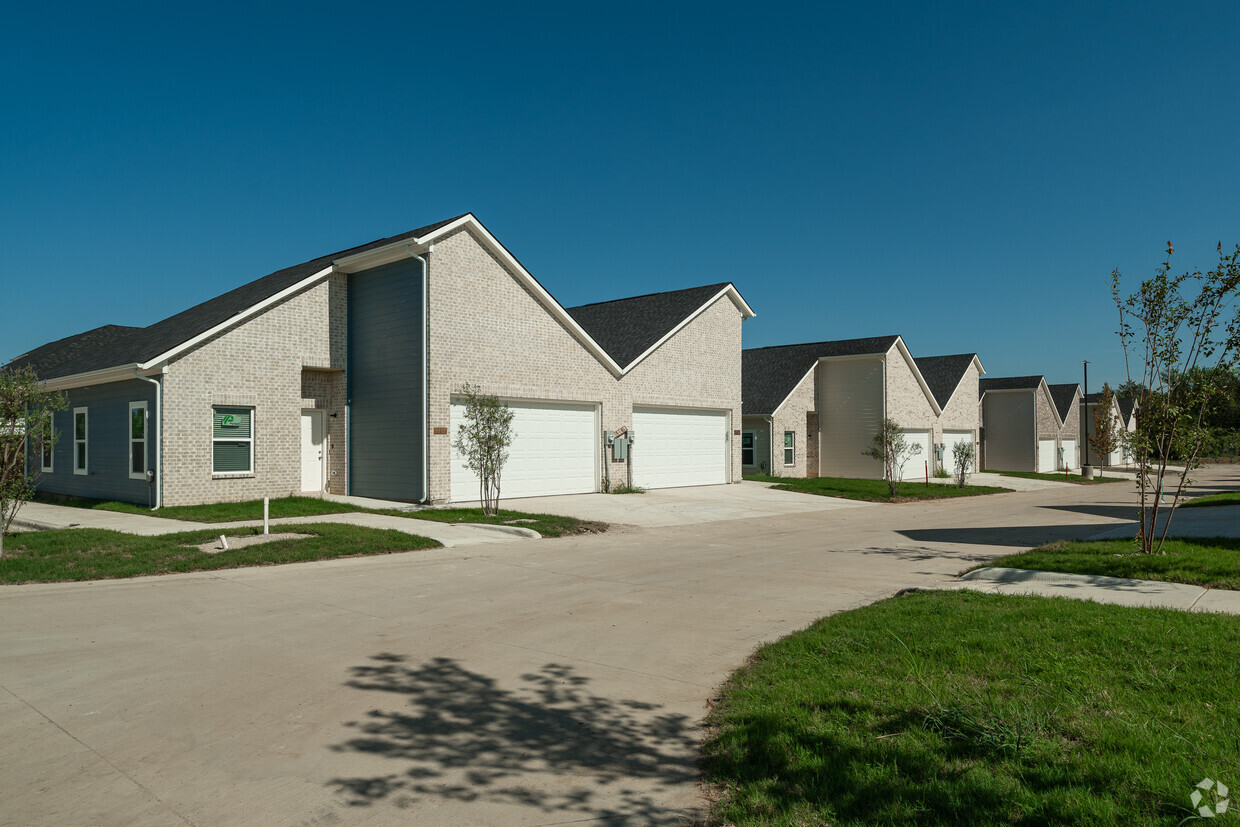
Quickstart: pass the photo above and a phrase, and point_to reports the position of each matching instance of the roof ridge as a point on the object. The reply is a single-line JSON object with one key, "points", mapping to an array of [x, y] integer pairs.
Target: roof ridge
{"points": [[824, 342], [720, 285]]}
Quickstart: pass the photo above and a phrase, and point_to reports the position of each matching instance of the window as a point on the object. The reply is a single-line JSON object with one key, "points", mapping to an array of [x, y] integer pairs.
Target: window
{"points": [[46, 443], [232, 440], [80, 450], [790, 457], [137, 440], [746, 447]]}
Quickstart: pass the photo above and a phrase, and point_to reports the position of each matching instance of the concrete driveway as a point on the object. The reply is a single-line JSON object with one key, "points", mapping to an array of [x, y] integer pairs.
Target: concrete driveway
{"points": [[546, 682]]}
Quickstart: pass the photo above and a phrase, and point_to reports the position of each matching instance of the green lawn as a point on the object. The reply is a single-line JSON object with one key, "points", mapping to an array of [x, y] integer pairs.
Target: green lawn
{"points": [[1201, 561], [548, 525], [874, 490], [1073, 478], [96, 554], [1225, 498], [968, 708]]}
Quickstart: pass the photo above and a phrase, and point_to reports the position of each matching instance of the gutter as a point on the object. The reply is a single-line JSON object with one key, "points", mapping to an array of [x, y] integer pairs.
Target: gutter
{"points": [[159, 420], [426, 371]]}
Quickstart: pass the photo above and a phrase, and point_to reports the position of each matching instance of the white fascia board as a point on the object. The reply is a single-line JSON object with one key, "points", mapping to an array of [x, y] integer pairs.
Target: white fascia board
{"points": [[980, 370], [729, 291], [921, 380], [808, 373], [93, 377], [248, 313]]}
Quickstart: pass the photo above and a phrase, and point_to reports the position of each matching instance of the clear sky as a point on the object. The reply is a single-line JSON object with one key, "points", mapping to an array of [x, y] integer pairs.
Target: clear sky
{"points": [[965, 174]]}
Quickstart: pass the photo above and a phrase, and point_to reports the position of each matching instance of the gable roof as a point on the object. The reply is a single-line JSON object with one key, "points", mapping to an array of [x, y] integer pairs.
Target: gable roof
{"points": [[1023, 383], [769, 374], [943, 373], [1063, 396], [1127, 406], [627, 328], [144, 348]]}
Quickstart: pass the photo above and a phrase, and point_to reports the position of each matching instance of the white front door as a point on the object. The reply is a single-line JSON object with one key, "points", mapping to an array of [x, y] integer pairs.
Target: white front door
{"points": [[313, 455], [674, 447]]}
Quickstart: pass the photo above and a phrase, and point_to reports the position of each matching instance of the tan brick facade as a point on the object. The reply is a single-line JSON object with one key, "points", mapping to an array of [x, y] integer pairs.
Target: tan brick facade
{"points": [[907, 402], [261, 364], [963, 412], [486, 329], [791, 416]]}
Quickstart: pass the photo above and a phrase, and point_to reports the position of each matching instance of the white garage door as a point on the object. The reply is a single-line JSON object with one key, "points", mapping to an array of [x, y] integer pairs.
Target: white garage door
{"points": [[553, 452], [915, 468], [1070, 459], [674, 448], [950, 440], [1048, 459]]}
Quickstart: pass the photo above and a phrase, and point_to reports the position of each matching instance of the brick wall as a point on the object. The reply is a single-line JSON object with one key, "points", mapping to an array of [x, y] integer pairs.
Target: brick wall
{"points": [[791, 417], [907, 403], [487, 329]]}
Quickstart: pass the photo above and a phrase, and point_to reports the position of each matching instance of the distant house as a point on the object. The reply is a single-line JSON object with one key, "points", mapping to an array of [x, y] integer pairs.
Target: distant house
{"points": [[341, 374], [1068, 404], [813, 409], [1020, 425], [1123, 414], [954, 381]]}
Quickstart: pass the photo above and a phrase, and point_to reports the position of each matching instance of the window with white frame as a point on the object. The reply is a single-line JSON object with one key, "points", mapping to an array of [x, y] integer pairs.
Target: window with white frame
{"points": [[790, 457], [232, 440], [81, 451], [137, 440], [747, 447]]}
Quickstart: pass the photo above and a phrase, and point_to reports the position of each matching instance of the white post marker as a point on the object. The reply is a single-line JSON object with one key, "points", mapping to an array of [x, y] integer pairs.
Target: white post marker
{"points": [[266, 512], [223, 542]]}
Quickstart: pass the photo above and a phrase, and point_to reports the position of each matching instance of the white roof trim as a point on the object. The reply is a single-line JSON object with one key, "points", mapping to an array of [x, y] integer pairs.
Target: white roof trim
{"points": [[1050, 400], [93, 377], [248, 313], [730, 291], [980, 370], [808, 373]]}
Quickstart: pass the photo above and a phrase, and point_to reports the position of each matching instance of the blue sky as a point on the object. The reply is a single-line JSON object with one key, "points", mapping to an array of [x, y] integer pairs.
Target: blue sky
{"points": [[848, 167]]}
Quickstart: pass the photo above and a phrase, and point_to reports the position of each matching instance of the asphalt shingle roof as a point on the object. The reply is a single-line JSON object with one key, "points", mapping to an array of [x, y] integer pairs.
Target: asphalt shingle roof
{"points": [[1126, 407], [1063, 396], [626, 328], [115, 346], [1010, 383], [943, 373], [769, 374]]}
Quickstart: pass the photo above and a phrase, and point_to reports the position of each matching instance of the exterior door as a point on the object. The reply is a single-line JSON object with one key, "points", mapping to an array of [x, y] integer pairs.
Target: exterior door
{"points": [[915, 467], [313, 455], [677, 447], [1048, 461], [950, 440], [1069, 453]]}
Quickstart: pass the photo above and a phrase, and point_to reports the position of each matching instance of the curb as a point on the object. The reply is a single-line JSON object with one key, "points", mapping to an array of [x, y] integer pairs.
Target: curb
{"points": [[1002, 575]]}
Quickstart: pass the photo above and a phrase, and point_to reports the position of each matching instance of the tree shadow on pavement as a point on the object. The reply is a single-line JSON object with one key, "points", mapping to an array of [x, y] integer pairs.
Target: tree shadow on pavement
{"points": [[1021, 536], [549, 744]]}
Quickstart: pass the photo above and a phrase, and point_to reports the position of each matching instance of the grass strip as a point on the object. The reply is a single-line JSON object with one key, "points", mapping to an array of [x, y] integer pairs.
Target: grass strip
{"points": [[97, 554], [1075, 479], [875, 490], [1209, 500], [969, 708], [1212, 562]]}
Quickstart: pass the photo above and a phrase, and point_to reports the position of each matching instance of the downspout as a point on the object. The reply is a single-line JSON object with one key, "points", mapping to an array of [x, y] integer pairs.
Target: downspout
{"points": [[426, 372], [770, 441], [159, 419]]}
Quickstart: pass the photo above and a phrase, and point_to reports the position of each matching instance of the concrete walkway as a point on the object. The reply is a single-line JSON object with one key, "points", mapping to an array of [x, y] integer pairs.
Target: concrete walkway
{"points": [[1117, 590], [42, 516]]}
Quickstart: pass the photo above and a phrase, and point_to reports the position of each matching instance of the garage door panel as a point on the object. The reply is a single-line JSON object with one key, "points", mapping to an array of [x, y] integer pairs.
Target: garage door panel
{"points": [[553, 452], [1070, 459], [950, 440], [1047, 456], [915, 467], [675, 448]]}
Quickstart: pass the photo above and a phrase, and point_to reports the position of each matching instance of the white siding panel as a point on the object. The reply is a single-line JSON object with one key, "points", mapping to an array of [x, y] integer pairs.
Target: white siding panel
{"points": [[676, 448], [554, 452]]}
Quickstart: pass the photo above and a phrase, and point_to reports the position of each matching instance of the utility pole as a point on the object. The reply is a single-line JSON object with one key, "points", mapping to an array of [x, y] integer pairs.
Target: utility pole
{"points": [[1085, 413]]}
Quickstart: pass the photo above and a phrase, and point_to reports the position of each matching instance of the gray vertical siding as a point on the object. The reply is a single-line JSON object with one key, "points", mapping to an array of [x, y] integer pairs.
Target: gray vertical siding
{"points": [[107, 424], [1011, 441], [386, 443]]}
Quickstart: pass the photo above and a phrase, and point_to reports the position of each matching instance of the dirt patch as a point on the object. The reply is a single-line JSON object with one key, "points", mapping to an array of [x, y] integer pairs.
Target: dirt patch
{"points": [[214, 547]]}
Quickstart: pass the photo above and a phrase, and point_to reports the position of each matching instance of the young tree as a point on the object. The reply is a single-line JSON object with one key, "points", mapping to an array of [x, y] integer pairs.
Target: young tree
{"points": [[26, 431], [963, 455], [1105, 437], [893, 451], [483, 440], [1185, 325]]}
